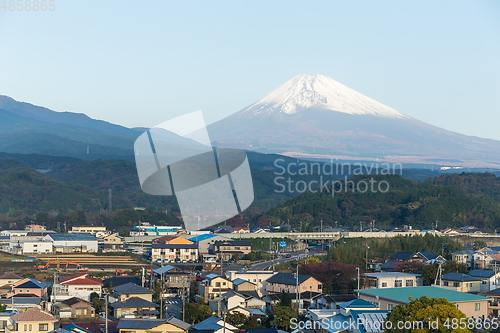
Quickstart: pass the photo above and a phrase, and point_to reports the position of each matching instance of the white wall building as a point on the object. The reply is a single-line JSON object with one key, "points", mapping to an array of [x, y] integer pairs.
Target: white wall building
{"points": [[257, 277], [72, 242]]}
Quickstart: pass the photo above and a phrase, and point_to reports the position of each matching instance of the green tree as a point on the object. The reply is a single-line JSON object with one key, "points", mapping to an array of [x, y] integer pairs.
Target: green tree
{"points": [[425, 310], [282, 317], [286, 299], [236, 319], [479, 244], [124, 233], [97, 302], [194, 313]]}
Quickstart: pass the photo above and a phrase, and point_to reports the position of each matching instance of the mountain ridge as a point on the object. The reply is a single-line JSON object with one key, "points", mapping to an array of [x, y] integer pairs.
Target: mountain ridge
{"points": [[282, 122]]}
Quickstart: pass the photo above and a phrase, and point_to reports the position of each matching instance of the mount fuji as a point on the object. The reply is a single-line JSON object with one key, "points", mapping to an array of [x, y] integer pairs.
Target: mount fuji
{"points": [[317, 117]]}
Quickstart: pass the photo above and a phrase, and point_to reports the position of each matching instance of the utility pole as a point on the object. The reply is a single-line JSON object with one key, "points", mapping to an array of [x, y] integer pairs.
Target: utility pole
{"points": [[106, 314], [367, 247], [297, 286], [219, 307], [161, 285], [357, 268]]}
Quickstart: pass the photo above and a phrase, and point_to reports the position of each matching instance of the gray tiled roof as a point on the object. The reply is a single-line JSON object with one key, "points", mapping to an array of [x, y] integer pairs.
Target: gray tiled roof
{"points": [[134, 302], [130, 288]]}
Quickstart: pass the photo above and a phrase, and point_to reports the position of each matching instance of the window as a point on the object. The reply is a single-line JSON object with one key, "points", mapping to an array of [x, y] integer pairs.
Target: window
{"points": [[477, 306], [390, 307], [43, 327], [398, 283], [25, 327], [29, 327], [456, 284], [445, 283], [409, 283], [3, 323], [384, 284]]}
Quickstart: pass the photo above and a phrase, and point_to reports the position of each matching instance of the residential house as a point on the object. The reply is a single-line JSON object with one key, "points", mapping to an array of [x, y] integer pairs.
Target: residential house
{"points": [[79, 285], [459, 282], [392, 280], [32, 320], [35, 227], [29, 286], [206, 242], [366, 319], [489, 279], [288, 282], [233, 299], [9, 278], [23, 302], [168, 239], [77, 242], [175, 279], [129, 290], [134, 306], [484, 258], [231, 249], [120, 280], [33, 247], [113, 242], [332, 301], [430, 257], [305, 300], [214, 325], [389, 265], [174, 252], [96, 230], [247, 312], [494, 303], [465, 257], [214, 285], [471, 305], [252, 302], [407, 256], [172, 325], [74, 307], [241, 285], [259, 278]]}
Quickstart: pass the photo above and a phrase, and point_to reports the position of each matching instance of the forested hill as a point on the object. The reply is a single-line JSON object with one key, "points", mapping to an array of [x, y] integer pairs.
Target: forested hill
{"points": [[419, 204]]}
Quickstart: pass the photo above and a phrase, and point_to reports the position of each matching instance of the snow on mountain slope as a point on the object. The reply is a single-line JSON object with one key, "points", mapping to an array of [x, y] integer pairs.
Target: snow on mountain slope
{"points": [[319, 91], [313, 115]]}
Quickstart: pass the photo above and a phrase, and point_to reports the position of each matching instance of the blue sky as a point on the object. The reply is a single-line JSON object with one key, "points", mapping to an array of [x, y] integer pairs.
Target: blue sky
{"points": [[141, 63]]}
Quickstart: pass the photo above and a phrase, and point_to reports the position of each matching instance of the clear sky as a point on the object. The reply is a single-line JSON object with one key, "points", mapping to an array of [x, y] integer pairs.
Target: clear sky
{"points": [[139, 63]]}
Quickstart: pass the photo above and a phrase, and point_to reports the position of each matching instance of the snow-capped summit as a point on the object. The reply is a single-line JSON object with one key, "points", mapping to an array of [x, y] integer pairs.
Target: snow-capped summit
{"points": [[316, 116], [319, 92]]}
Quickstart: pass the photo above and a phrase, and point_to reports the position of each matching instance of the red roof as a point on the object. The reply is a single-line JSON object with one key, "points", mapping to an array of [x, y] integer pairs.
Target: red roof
{"points": [[80, 279]]}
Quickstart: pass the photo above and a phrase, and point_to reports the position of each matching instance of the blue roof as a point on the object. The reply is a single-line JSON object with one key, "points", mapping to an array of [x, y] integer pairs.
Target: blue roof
{"points": [[481, 273], [459, 277], [75, 327], [32, 284], [356, 304], [73, 237], [203, 237], [163, 269]]}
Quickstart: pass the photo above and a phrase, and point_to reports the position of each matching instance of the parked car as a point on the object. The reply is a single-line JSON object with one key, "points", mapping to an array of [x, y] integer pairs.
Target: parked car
{"points": [[288, 255]]}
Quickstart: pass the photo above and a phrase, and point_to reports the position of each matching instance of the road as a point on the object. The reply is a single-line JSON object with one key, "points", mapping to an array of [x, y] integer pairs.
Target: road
{"points": [[263, 266]]}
